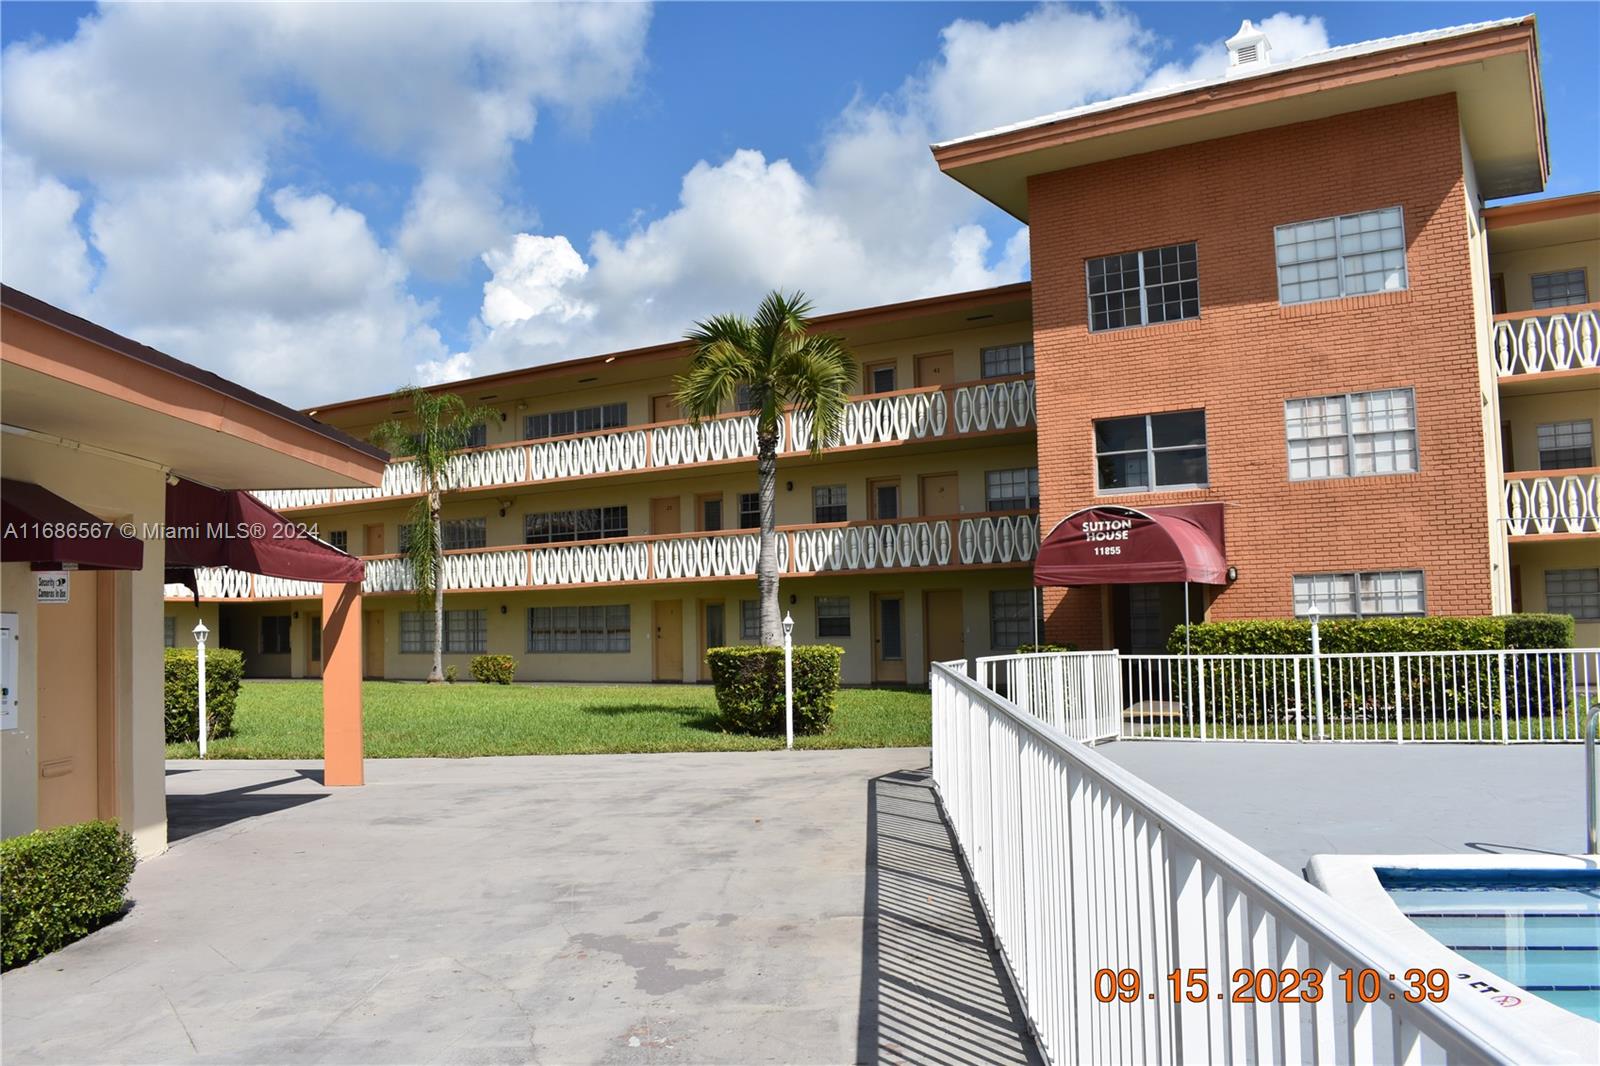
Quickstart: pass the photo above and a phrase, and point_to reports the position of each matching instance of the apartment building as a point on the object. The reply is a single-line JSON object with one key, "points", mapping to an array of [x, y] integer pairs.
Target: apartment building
{"points": [[1283, 291]]}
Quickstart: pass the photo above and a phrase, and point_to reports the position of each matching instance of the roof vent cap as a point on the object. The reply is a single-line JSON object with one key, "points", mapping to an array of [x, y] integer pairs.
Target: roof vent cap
{"points": [[1248, 50]]}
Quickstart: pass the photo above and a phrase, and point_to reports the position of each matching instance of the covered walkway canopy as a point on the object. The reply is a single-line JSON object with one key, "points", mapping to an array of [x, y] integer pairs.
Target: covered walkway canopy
{"points": [[51, 533], [1107, 545], [230, 527]]}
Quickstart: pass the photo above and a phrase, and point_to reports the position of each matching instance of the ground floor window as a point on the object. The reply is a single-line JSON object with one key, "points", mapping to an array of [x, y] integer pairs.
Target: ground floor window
{"points": [[1359, 595], [1575, 592], [465, 632], [833, 616], [603, 628], [275, 634], [169, 631], [750, 619], [1010, 618]]}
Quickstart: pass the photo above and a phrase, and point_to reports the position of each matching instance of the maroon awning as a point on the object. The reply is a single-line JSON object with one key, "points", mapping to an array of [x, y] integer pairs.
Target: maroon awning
{"points": [[39, 527], [230, 527], [1121, 546]]}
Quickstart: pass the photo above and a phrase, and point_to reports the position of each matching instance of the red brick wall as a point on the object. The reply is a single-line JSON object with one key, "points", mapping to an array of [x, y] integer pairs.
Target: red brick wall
{"points": [[1246, 355]]}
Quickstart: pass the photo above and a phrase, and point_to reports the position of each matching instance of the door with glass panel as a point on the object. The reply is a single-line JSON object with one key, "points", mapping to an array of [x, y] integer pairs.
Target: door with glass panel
{"points": [[888, 637]]}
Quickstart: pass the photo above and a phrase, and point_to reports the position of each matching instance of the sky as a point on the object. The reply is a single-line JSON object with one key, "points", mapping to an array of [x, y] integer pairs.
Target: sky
{"points": [[331, 201]]}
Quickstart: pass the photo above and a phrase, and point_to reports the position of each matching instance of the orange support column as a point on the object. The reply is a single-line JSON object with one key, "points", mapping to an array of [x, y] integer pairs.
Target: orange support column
{"points": [[341, 684]]}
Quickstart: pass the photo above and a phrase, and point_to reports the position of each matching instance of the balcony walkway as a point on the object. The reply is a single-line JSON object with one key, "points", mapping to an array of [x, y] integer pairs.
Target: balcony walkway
{"points": [[781, 907]]}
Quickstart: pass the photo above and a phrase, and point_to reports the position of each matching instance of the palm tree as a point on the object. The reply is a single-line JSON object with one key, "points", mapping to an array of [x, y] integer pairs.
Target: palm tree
{"points": [[440, 424], [781, 365]]}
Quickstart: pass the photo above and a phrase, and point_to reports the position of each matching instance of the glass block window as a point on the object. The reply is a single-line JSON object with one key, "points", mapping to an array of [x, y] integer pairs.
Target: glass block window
{"points": [[577, 420], [1575, 592], [1347, 255], [749, 620], [582, 523], [749, 510], [1011, 490], [1007, 360], [1147, 452], [275, 634], [169, 632], [339, 538], [604, 628], [828, 503], [1142, 288], [1356, 435], [1566, 445], [1560, 288], [1359, 595], [1010, 618], [465, 632], [833, 616]]}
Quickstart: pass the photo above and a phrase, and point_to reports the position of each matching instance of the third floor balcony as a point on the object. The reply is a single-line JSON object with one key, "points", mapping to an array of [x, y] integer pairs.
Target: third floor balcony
{"points": [[1550, 343]]}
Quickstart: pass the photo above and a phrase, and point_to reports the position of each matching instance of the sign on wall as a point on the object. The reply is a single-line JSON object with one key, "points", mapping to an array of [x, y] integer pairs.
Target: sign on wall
{"points": [[55, 586], [10, 638]]}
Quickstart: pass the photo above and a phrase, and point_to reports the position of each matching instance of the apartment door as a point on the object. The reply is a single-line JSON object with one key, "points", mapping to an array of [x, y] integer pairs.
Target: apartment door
{"points": [[943, 629], [372, 643], [883, 498], [936, 368], [372, 538], [669, 640], [713, 631], [664, 516], [664, 409], [939, 494], [888, 637], [73, 652]]}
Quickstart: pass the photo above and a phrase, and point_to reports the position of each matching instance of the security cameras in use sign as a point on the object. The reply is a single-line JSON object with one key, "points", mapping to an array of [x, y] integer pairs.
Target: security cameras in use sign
{"points": [[54, 587]]}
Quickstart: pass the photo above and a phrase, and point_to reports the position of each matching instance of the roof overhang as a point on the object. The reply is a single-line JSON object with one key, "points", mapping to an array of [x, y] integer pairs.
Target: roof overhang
{"points": [[1543, 223], [1492, 71]]}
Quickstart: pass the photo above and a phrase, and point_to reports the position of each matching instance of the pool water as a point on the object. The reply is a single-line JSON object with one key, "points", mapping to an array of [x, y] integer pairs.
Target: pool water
{"points": [[1539, 929]]}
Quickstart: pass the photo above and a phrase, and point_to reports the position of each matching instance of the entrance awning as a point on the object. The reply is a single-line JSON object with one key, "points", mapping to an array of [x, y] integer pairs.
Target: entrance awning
{"points": [[41, 528], [1121, 546], [230, 527]]}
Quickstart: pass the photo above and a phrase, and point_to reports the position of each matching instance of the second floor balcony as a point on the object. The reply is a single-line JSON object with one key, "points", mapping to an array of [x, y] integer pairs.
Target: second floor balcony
{"points": [[1548, 341], [928, 414], [1005, 538], [1552, 503]]}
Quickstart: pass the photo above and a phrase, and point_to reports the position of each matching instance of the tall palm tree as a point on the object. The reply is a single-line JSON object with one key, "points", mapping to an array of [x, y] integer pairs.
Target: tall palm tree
{"points": [[439, 425], [782, 365]]}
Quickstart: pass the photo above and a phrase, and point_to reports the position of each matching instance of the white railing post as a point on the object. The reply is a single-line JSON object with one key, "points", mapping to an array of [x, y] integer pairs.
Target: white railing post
{"points": [[1505, 715], [1200, 709], [1316, 668], [1299, 701], [1399, 722]]}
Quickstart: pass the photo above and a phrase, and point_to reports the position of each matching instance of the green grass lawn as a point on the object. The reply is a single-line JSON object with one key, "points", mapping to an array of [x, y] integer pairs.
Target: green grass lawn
{"points": [[283, 720]]}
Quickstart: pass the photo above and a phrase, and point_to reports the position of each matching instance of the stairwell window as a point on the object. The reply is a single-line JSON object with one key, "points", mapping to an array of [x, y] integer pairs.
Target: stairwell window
{"points": [[1575, 592], [1143, 288], [1360, 434], [1359, 595], [1144, 453], [1346, 255], [1010, 618], [1560, 288], [1006, 360], [1566, 445]]}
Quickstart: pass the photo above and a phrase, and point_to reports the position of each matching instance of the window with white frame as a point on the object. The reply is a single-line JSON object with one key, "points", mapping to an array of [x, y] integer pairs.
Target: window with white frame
{"points": [[582, 523], [169, 631], [576, 420], [1143, 453], [1359, 595], [749, 620], [833, 616], [1560, 288], [1359, 434], [1143, 288], [601, 628], [828, 503], [1566, 445], [1006, 360], [1010, 618], [749, 510], [465, 632], [275, 634], [1011, 490], [339, 538], [1347, 255], [1575, 592]]}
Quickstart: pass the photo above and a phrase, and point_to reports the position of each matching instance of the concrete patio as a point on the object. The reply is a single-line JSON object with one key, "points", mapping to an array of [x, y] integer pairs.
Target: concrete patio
{"points": [[770, 907]]}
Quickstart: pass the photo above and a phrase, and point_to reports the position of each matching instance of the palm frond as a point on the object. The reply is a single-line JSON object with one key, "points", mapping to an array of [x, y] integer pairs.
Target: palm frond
{"points": [[723, 360], [816, 378]]}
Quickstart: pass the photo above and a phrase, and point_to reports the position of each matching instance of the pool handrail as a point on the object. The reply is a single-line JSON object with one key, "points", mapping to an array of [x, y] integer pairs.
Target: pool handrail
{"points": [[1591, 731]]}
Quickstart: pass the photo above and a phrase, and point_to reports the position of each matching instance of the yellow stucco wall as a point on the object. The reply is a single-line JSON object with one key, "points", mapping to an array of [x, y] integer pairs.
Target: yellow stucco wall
{"points": [[1532, 560], [1517, 269], [1527, 413]]}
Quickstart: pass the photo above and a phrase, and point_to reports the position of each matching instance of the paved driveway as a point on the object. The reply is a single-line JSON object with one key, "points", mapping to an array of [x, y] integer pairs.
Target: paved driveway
{"points": [[750, 907]]}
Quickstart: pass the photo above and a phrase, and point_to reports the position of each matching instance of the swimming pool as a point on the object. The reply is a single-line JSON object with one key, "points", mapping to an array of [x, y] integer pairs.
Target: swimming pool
{"points": [[1539, 929]]}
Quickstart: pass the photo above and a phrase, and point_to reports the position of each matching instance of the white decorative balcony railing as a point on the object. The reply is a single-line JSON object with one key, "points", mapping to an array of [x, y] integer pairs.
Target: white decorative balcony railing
{"points": [[1542, 504], [1536, 342], [1005, 539], [890, 418]]}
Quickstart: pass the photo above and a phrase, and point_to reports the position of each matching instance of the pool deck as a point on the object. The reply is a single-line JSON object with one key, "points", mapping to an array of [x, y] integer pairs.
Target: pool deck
{"points": [[1293, 801]]}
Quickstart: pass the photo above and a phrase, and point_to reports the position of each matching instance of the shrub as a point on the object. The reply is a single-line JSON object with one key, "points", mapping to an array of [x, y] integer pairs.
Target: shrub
{"points": [[1031, 649], [450, 674], [749, 684], [1539, 630], [224, 671], [1285, 637], [493, 669], [57, 885]]}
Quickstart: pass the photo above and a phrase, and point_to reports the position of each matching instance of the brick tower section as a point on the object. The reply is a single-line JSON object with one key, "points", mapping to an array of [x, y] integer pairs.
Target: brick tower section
{"points": [[1246, 355]]}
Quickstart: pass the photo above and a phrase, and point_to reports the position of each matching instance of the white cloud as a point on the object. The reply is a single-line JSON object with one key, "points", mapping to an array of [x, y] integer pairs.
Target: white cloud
{"points": [[41, 250]]}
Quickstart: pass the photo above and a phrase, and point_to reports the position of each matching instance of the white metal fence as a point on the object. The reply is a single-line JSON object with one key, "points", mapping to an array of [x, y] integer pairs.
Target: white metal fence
{"points": [[1456, 696], [1082, 868]]}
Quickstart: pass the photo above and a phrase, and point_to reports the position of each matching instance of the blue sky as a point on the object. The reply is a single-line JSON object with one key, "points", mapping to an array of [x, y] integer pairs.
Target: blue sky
{"points": [[293, 197]]}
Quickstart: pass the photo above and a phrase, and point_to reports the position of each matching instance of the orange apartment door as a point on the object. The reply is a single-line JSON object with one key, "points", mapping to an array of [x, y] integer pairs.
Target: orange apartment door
{"points": [[939, 494], [69, 693], [664, 409], [668, 640], [372, 537], [936, 368], [943, 629], [372, 643], [664, 515], [889, 637]]}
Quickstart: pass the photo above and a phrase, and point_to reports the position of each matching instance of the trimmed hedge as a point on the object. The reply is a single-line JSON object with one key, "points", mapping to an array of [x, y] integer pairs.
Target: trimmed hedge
{"points": [[1339, 635], [493, 669], [749, 685], [57, 885], [224, 672], [1033, 649], [1539, 630]]}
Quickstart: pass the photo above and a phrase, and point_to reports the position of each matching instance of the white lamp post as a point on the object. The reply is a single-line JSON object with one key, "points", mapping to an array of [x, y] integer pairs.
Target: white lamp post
{"points": [[1315, 614], [788, 679], [200, 635]]}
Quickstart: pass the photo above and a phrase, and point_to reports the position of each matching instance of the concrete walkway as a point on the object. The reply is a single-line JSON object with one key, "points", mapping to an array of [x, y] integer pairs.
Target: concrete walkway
{"points": [[753, 907]]}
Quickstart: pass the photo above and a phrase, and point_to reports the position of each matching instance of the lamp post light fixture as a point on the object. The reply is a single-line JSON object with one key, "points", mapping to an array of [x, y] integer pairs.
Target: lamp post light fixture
{"points": [[788, 680], [200, 635]]}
